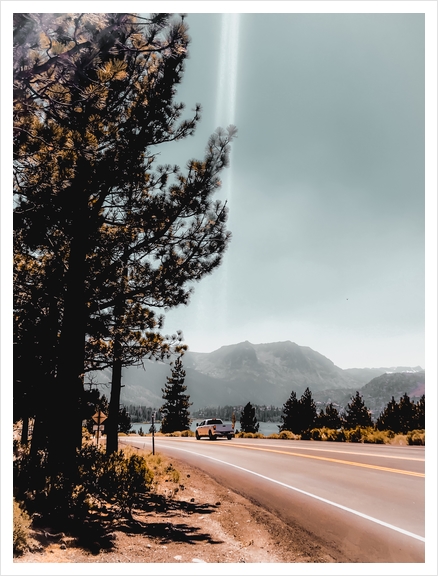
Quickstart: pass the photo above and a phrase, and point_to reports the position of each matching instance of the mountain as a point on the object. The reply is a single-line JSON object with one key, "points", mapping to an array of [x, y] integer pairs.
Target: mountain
{"points": [[378, 392], [245, 372]]}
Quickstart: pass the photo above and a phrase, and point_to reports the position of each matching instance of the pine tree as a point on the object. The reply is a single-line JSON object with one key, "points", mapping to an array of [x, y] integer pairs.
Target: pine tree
{"points": [[291, 415], [406, 410], [175, 411], [356, 413], [248, 420], [93, 99], [307, 411], [330, 418], [389, 419], [420, 411]]}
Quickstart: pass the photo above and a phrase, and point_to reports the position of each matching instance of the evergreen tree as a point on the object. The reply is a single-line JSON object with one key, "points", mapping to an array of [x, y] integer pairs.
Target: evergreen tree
{"points": [[291, 415], [124, 424], [330, 418], [389, 419], [175, 415], [356, 413], [93, 98], [307, 411], [406, 410], [419, 417], [248, 420]]}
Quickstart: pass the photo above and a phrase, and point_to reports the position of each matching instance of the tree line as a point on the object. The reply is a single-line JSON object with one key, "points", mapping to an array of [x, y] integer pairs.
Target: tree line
{"points": [[301, 415]]}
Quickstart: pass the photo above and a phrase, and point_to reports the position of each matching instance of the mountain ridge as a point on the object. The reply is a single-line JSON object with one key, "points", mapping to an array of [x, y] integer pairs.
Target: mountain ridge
{"points": [[263, 374]]}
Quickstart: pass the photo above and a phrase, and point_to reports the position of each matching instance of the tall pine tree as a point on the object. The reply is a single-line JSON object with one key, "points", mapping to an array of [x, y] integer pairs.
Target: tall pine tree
{"points": [[356, 413], [175, 415], [290, 415], [248, 420]]}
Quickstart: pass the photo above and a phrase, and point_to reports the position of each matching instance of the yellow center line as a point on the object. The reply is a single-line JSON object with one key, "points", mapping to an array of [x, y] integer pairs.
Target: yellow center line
{"points": [[347, 462]]}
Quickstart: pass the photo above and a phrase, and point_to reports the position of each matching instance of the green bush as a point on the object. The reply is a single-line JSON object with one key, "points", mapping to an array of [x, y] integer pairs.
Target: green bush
{"points": [[119, 478], [416, 437], [22, 524]]}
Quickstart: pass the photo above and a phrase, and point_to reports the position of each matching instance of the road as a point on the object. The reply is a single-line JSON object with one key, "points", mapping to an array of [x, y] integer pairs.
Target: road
{"points": [[365, 502]]}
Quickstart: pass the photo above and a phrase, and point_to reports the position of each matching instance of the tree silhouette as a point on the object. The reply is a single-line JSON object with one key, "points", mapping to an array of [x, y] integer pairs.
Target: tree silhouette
{"points": [[175, 415], [307, 411], [110, 234], [389, 419], [419, 417], [248, 420], [330, 418], [356, 413], [290, 416]]}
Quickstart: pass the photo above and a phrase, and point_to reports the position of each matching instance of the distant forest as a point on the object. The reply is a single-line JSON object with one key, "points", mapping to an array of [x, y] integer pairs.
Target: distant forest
{"points": [[263, 413]]}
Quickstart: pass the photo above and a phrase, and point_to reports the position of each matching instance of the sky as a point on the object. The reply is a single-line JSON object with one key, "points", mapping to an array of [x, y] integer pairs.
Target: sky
{"points": [[328, 203], [326, 184]]}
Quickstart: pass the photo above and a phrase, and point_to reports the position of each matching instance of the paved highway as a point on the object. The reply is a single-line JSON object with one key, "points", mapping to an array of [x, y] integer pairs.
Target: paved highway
{"points": [[365, 502]]}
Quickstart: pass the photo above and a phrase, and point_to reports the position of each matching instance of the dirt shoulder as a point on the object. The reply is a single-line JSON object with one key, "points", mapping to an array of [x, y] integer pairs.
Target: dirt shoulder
{"points": [[202, 522]]}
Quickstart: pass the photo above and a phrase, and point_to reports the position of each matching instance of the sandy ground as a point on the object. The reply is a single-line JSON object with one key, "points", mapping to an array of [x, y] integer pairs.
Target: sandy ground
{"points": [[202, 523]]}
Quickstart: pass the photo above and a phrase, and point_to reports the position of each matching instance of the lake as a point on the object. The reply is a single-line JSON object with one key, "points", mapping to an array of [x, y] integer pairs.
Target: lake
{"points": [[265, 428]]}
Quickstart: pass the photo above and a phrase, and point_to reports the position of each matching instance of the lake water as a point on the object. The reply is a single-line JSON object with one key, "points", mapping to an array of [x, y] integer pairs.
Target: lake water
{"points": [[265, 428]]}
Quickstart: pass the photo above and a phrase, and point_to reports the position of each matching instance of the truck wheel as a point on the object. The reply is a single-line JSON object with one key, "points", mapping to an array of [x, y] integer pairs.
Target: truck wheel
{"points": [[197, 436], [229, 437], [210, 435]]}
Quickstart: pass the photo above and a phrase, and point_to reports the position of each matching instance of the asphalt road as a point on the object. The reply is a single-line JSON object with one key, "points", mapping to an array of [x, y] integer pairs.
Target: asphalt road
{"points": [[364, 502]]}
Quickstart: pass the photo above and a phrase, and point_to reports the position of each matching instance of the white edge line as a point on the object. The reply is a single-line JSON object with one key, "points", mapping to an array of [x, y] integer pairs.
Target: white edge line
{"points": [[355, 512]]}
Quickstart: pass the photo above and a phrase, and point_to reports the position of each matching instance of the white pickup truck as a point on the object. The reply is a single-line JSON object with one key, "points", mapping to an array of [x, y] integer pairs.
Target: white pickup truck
{"points": [[213, 428]]}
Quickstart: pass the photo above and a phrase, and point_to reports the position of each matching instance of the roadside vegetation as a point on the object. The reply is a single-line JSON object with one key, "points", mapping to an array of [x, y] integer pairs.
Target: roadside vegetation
{"points": [[110, 488]]}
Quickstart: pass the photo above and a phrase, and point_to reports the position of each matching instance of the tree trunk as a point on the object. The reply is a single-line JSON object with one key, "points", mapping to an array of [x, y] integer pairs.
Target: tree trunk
{"points": [[25, 431], [66, 394], [112, 427]]}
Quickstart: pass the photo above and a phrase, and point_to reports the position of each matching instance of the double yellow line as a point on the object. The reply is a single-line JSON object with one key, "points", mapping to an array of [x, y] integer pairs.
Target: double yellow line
{"points": [[335, 460]]}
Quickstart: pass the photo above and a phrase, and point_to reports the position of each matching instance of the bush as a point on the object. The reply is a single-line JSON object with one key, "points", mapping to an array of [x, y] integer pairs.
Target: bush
{"points": [[416, 437], [353, 435], [288, 435], [399, 440], [22, 524], [119, 479]]}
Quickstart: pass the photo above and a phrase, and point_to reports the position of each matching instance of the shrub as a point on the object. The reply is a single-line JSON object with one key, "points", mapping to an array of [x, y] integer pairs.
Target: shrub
{"points": [[119, 479], [376, 437], [353, 435], [22, 524], [416, 437], [186, 433], [327, 434], [288, 435], [399, 440], [316, 434]]}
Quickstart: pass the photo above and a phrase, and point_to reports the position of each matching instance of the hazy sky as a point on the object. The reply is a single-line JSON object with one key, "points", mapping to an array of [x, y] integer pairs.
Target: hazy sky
{"points": [[326, 186]]}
